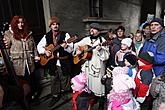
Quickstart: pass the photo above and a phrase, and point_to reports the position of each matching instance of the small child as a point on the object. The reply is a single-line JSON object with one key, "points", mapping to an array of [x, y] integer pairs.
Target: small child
{"points": [[120, 97], [107, 81], [143, 80], [157, 90], [125, 48], [130, 61], [81, 95]]}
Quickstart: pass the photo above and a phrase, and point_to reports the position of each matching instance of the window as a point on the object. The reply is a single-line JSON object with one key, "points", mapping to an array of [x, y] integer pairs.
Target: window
{"points": [[96, 8]]}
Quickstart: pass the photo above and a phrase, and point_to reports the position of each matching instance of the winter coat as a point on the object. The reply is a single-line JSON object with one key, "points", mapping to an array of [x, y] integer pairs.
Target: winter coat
{"points": [[143, 80], [119, 57], [157, 47], [81, 101], [116, 44], [22, 53], [157, 90], [120, 97], [95, 67]]}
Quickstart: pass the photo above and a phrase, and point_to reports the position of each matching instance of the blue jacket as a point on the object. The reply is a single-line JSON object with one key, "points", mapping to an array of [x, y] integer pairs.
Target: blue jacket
{"points": [[156, 45]]}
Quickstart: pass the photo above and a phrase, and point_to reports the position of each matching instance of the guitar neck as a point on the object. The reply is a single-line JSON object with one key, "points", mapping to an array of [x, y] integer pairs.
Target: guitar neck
{"points": [[72, 39], [55, 48], [90, 49]]}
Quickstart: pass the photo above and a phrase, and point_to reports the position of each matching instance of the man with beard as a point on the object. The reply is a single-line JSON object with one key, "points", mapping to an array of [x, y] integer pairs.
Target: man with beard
{"points": [[60, 65], [95, 66]]}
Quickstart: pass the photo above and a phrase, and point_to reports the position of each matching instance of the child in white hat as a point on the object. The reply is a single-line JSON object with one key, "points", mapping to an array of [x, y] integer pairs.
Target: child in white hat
{"points": [[125, 48]]}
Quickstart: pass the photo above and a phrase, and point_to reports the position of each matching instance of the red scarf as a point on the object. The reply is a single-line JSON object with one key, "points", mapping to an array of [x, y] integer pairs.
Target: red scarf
{"points": [[74, 96], [145, 67], [137, 80]]}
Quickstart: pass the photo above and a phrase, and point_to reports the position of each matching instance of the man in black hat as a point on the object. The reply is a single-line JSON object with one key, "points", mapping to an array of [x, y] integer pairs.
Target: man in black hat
{"points": [[155, 44], [95, 66]]}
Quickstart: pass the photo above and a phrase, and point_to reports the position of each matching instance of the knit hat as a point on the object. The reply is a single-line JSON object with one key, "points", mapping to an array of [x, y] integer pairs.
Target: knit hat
{"points": [[145, 25], [158, 20], [127, 41], [96, 26], [79, 82], [146, 57], [120, 70], [132, 59]]}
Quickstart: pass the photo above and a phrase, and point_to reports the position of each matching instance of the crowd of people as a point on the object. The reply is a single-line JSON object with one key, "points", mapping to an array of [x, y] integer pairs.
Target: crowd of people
{"points": [[117, 71]]}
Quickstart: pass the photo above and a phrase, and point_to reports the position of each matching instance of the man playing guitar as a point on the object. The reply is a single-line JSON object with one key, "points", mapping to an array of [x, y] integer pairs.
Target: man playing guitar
{"points": [[60, 65], [95, 66]]}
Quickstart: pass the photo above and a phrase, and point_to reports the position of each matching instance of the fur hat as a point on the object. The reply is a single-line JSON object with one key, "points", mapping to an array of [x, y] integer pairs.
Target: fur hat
{"points": [[127, 41], [54, 19], [158, 20], [120, 70], [132, 59], [146, 57], [79, 82], [96, 26]]}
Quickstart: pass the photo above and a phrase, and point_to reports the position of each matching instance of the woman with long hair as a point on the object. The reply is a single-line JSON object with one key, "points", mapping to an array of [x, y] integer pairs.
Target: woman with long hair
{"points": [[18, 39]]}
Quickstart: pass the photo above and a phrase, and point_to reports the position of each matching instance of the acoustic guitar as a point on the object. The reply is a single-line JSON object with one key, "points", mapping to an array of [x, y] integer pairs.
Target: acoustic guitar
{"points": [[44, 59], [86, 52]]}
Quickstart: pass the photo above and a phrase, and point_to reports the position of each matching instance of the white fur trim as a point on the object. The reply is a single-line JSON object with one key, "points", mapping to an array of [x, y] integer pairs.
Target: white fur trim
{"points": [[140, 99]]}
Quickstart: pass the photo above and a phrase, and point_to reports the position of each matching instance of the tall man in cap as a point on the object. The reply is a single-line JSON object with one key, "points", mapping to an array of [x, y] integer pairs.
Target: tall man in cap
{"points": [[155, 44], [95, 66]]}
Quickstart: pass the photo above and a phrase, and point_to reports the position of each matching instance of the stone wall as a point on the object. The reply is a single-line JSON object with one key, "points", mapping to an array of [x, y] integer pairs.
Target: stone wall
{"points": [[125, 10], [71, 14], [74, 14]]}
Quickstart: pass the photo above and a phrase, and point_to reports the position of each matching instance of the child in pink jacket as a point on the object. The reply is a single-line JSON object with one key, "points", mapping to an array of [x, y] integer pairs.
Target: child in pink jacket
{"points": [[120, 97]]}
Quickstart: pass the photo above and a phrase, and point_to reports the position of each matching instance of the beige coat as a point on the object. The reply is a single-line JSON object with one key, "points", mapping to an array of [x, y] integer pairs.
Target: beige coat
{"points": [[22, 53]]}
